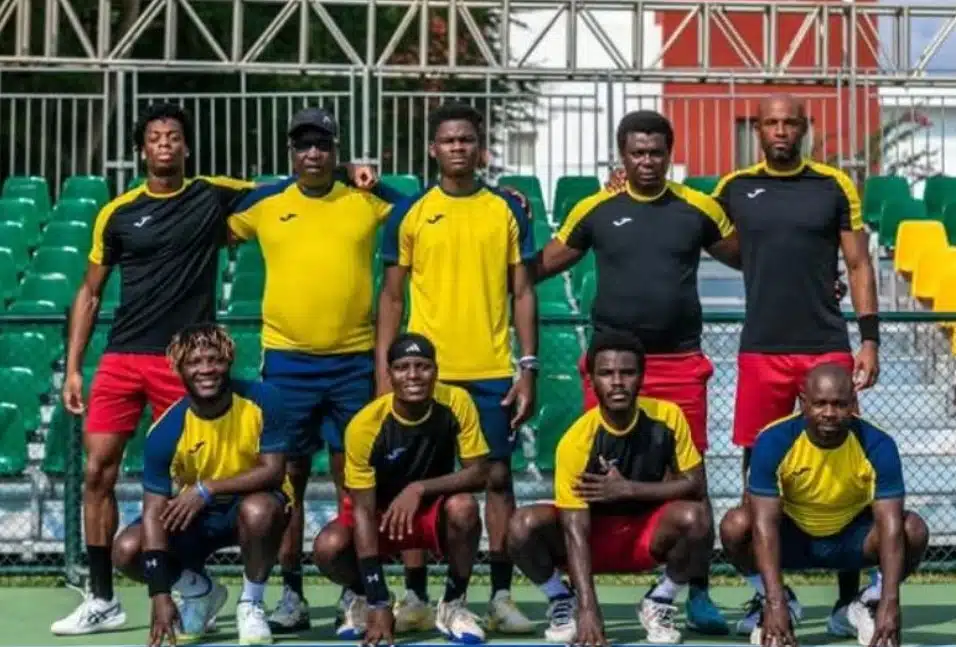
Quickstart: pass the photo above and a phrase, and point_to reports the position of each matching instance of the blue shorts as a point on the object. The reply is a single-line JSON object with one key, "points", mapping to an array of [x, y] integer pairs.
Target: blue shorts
{"points": [[495, 419], [215, 528], [842, 551], [321, 394]]}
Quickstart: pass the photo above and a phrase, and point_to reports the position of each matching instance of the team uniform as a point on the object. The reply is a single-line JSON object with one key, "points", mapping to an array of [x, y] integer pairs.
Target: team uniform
{"points": [[827, 494], [455, 246], [386, 452], [657, 443], [647, 252], [317, 332], [790, 226], [166, 248]]}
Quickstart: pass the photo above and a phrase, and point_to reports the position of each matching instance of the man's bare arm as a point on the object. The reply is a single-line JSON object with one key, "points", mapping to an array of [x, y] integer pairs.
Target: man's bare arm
{"points": [[576, 526], [525, 309], [366, 526], [691, 485], [766, 513], [860, 272], [555, 258], [727, 251], [391, 304], [472, 477], [86, 307], [266, 475], [154, 531], [888, 515]]}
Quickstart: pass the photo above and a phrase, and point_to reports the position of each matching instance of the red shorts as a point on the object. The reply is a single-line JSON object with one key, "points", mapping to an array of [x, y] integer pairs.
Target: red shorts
{"points": [[679, 378], [768, 386], [424, 535], [122, 386], [623, 544]]}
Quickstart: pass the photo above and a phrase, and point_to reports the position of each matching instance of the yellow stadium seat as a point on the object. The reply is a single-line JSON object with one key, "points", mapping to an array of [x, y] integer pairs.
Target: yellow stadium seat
{"points": [[913, 238], [945, 298], [930, 267]]}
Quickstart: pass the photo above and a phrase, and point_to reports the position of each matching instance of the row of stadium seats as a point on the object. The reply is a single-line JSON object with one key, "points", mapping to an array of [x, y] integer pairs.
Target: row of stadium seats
{"points": [[925, 258], [888, 201]]}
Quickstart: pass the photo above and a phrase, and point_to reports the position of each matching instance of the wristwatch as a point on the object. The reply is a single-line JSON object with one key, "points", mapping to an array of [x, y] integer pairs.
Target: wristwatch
{"points": [[529, 363]]}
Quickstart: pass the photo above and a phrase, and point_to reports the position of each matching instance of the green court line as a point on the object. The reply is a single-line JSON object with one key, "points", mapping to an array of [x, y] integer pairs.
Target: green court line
{"points": [[929, 617]]}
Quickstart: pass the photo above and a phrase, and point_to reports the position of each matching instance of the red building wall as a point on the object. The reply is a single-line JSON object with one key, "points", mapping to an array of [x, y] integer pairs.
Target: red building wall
{"points": [[708, 118]]}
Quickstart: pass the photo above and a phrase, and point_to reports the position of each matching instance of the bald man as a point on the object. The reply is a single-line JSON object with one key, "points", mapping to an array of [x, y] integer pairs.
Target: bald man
{"points": [[828, 486], [794, 216]]}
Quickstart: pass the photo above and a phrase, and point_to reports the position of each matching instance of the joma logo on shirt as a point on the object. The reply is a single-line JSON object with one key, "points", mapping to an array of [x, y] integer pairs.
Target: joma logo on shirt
{"points": [[195, 448], [435, 219]]}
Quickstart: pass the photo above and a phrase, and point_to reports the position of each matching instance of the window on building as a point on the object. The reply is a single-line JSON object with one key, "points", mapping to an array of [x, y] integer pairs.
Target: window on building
{"points": [[521, 149], [747, 147]]}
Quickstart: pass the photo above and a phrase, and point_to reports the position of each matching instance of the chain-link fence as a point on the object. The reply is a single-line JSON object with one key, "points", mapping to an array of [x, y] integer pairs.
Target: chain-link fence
{"points": [[41, 453]]}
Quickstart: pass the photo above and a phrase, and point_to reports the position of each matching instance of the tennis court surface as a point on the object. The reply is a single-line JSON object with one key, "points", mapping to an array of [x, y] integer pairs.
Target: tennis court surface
{"points": [[929, 616]]}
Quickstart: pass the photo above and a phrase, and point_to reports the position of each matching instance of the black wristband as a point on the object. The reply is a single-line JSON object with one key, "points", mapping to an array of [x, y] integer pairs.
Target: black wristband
{"points": [[373, 579], [870, 328], [157, 572]]}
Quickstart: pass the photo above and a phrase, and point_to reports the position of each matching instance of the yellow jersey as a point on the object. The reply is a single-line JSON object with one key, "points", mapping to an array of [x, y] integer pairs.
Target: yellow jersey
{"points": [[182, 448], [459, 250], [318, 254], [823, 490]]}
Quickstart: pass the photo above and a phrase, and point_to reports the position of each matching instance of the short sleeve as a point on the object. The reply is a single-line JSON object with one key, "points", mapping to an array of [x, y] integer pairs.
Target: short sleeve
{"points": [[230, 191], [471, 440], [398, 240], [765, 459], [383, 199], [244, 221], [520, 233], [570, 461], [575, 231], [685, 451], [360, 435], [275, 436], [160, 449], [851, 217], [884, 456], [104, 248], [720, 194]]}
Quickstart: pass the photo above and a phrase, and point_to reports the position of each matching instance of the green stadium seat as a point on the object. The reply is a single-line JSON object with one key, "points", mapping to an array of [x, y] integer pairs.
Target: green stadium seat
{"points": [[95, 348], [549, 425], [75, 210], [13, 441], [57, 439], [895, 212], [542, 231], [587, 293], [949, 222], [248, 361], [552, 290], [320, 464], [68, 234], [27, 349], [132, 464], [9, 279], [42, 293], [539, 213], [59, 260], [938, 191], [581, 270], [93, 187], [529, 185], [703, 183], [247, 286], [570, 190], [135, 182], [249, 259], [13, 239], [407, 184], [559, 348], [269, 179], [14, 390], [24, 212], [877, 189], [35, 188]]}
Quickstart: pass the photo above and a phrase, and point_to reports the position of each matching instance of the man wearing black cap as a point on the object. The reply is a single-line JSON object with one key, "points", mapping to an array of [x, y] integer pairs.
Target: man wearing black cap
{"points": [[317, 235], [404, 493]]}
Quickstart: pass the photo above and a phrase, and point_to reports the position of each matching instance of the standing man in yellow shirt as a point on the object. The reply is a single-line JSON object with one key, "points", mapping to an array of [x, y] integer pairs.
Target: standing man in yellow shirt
{"points": [[464, 247], [318, 239]]}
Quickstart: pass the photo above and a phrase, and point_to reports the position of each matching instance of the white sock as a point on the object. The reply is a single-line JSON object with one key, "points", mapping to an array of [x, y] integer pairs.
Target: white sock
{"points": [[192, 584], [554, 587], [252, 591], [757, 583], [873, 592], [666, 589]]}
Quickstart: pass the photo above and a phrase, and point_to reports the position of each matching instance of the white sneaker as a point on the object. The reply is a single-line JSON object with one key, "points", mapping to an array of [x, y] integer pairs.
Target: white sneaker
{"points": [[458, 624], [862, 618], [198, 614], [352, 617], [657, 618], [291, 613], [91, 616], [754, 608], [413, 614], [252, 623], [562, 617], [838, 625], [505, 617]]}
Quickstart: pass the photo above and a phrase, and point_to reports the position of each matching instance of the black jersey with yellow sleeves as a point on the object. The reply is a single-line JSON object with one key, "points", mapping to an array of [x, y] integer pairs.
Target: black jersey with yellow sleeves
{"points": [[386, 452], [656, 443], [790, 226], [166, 248], [647, 252], [183, 448]]}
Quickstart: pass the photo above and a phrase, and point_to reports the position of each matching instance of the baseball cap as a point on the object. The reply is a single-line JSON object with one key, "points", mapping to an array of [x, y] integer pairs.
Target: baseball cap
{"points": [[411, 345], [316, 118]]}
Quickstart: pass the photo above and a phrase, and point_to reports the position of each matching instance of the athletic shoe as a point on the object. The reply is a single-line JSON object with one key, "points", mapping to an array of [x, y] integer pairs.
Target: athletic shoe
{"points": [[458, 624], [252, 623], [838, 625], [505, 617], [91, 616], [657, 618], [703, 616], [562, 620], [862, 616], [291, 613], [754, 608], [197, 613], [351, 619], [413, 614]]}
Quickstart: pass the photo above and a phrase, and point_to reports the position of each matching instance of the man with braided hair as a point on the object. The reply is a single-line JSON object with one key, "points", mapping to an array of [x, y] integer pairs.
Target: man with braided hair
{"points": [[213, 477]]}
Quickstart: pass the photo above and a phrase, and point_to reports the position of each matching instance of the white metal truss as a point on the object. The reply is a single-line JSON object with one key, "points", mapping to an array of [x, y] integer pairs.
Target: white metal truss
{"points": [[865, 30]]}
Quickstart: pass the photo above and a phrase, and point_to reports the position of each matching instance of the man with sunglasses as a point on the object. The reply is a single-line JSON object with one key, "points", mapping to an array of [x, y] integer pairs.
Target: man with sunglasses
{"points": [[318, 238]]}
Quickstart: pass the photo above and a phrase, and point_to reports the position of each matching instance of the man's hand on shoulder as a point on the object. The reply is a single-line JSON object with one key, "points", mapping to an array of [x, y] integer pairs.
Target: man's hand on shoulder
{"points": [[362, 176], [616, 181]]}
